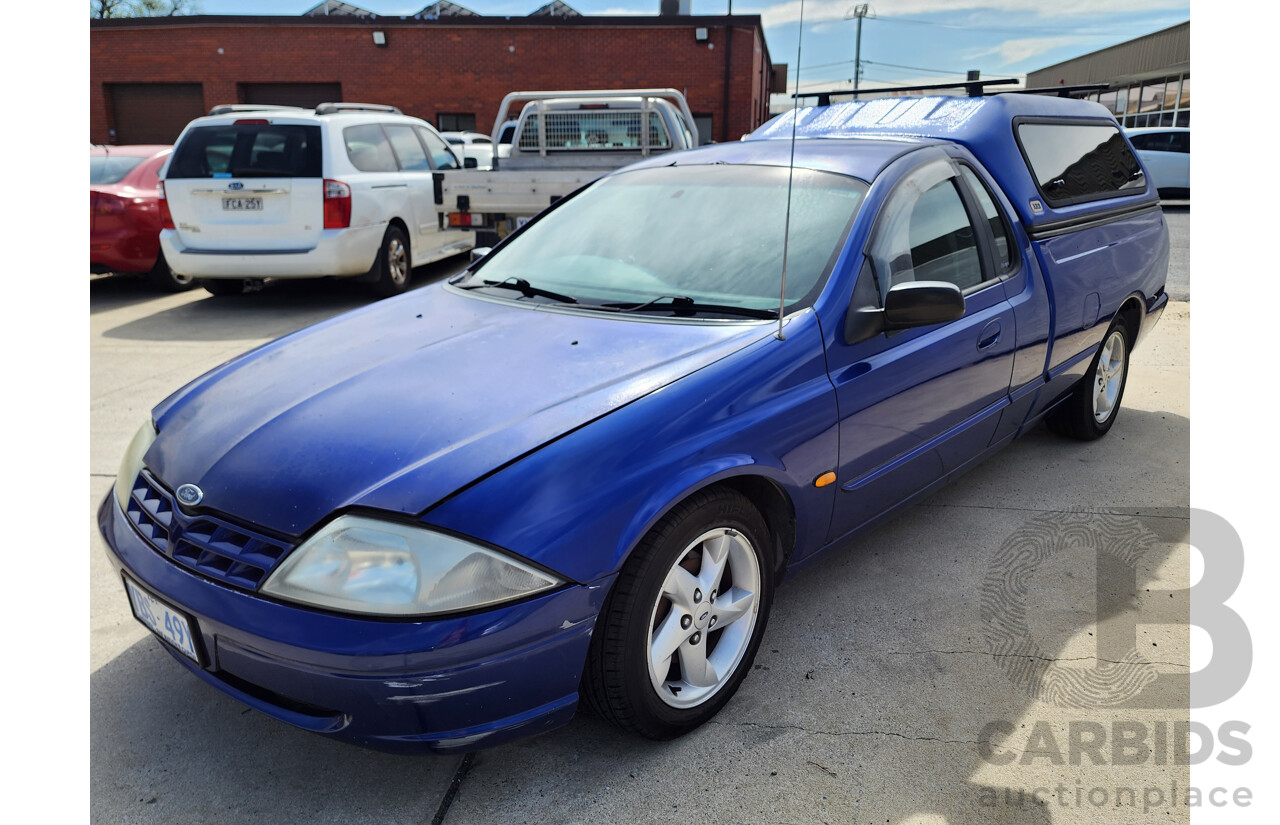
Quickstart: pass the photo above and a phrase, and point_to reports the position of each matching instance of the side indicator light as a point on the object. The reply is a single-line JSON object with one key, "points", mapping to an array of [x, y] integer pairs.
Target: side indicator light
{"points": [[825, 479]]}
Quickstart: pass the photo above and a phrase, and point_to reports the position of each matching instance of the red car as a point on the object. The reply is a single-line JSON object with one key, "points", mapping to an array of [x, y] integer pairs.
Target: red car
{"points": [[124, 210]]}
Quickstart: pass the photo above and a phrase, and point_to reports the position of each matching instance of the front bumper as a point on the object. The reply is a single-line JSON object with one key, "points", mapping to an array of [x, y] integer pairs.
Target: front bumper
{"points": [[447, 685], [340, 252]]}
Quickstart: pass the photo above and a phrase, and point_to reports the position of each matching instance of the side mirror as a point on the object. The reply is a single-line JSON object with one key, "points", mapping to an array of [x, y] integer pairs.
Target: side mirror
{"points": [[921, 303], [470, 163], [910, 304], [479, 252]]}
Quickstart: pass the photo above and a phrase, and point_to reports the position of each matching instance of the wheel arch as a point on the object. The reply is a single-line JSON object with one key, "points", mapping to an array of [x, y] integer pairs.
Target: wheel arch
{"points": [[764, 486]]}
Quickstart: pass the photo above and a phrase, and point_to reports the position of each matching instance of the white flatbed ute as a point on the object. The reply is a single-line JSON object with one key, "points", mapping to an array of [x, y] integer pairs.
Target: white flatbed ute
{"points": [[563, 140]]}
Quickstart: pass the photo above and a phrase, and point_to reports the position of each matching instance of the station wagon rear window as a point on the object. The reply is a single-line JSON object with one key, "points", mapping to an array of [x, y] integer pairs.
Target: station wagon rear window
{"points": [[1080, 162], [248, 150]]}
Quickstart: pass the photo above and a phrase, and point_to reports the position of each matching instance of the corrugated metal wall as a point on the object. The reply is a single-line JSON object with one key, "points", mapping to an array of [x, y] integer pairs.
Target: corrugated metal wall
{"points": [[1164, 52]]}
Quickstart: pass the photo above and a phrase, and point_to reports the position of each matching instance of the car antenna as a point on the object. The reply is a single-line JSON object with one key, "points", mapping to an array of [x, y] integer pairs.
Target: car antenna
{"points": [[791, 171]]}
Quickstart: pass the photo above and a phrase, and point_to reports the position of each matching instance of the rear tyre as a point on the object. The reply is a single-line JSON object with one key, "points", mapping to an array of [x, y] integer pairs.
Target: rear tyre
{"points": [[223, 287], [680, 630], [165, 278], [1093, 405], [393, 268]]}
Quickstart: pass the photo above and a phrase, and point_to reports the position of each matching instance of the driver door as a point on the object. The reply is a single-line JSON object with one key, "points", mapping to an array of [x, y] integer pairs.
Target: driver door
{"points": [[916, 404]]}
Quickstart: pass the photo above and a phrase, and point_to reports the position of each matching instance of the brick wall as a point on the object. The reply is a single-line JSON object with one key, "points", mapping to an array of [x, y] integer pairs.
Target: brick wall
{"points": [[432, 67]]}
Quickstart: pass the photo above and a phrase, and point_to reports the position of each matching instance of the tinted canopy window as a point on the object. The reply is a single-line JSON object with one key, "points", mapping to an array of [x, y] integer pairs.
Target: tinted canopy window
{"points": [[105, 169], [712, 234], [248, 150], [1074, 163]]}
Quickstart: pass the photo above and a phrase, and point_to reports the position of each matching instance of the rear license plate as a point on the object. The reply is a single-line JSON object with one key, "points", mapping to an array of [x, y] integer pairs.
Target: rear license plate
{"points": [[167, 622], [241, 204]]}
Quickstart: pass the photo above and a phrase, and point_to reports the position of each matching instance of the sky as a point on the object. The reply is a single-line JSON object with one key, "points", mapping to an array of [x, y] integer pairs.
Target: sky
{"points": [[907, 42]]}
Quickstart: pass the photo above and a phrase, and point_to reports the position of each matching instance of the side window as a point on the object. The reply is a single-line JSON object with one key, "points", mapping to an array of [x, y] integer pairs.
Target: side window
{"points": [[1148, 142], [441, 156], [943, 244], [999, 230], [408, 149], [1080, 162], [1180, 142], [368, 148]]}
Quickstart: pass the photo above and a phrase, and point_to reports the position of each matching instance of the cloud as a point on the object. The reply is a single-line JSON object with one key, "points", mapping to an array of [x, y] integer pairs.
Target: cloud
{"points": [[816, 11], [1015, 51]]}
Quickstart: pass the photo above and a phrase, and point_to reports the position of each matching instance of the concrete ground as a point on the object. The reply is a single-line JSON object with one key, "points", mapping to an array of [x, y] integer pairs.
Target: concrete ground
{"points": [[887, 689]]}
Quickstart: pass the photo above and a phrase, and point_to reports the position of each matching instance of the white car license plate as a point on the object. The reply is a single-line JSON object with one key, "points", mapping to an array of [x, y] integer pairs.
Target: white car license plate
{"points": [[166, 622], [241, 204]]}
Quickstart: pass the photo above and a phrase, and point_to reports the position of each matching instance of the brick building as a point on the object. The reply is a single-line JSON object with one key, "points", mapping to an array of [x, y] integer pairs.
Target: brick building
{"points": [[150, 76]]}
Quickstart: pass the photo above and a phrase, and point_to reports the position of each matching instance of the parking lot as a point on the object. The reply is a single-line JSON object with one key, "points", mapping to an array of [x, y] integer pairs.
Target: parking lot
{"points": [[880, 695]]}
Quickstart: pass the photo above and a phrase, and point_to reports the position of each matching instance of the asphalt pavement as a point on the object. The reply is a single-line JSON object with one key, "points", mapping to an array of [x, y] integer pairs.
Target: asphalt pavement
{"points": [[886, 690]]}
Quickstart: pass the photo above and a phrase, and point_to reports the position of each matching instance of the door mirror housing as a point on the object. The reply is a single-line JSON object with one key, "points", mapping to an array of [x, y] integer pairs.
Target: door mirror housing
{"points": [[479, 252], [907, 305], [921, 303], [470, 163]]}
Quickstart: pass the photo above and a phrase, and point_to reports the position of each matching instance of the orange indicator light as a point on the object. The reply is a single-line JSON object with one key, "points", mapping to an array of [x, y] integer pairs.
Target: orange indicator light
{"points": [[824, 479]]}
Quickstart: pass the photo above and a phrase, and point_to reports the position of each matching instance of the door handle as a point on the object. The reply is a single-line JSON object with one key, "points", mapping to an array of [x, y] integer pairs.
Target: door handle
{"points": [[990, 335]]}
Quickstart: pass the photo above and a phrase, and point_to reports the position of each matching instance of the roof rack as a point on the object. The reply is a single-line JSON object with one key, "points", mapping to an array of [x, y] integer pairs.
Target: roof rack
{"points": [[335, 108], [973, 88], [1060, 91], [232, 108]]}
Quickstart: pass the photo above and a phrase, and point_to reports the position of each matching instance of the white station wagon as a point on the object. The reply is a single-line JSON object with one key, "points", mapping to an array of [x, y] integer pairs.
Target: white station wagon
{"points": [[348, 190]]}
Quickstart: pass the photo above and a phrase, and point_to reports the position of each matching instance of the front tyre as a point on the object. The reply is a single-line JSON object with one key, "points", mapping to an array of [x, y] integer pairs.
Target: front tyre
{"points": [[1094, 404], [681, 628], [393, 264]]}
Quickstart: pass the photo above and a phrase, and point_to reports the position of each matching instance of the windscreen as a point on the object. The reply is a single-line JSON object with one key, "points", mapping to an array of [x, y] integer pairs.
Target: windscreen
{"points": [[713, 234], [248, 150], [107, 169]]}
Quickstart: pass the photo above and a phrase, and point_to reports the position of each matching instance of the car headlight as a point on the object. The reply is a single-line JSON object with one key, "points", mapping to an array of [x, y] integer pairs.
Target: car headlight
{"points": [[132, 463], [363, 565]]}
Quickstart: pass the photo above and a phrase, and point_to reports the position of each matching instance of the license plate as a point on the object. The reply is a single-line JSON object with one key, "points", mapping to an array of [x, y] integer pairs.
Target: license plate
{"points": [[241, 204], [165, 621]]}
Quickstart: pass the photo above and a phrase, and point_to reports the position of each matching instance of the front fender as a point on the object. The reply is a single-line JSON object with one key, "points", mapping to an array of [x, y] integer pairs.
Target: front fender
{"points": [[579, 504]]}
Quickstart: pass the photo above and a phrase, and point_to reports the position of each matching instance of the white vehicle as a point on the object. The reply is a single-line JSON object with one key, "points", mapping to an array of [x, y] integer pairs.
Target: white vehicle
{"points": [[1166, 152], [472, 145], [561, 141], [347, 190]]}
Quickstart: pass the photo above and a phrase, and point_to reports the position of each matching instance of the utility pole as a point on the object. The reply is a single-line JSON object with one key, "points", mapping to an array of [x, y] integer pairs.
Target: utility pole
{"points": [[858, 12]]}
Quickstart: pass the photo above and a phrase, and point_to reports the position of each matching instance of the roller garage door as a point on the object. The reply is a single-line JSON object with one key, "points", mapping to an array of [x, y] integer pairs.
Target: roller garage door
{"points": [[306, 95], [153, 112]]}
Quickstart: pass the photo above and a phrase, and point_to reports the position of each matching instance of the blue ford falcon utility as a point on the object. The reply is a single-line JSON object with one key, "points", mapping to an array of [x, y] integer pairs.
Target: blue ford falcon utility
{"points": [[576, 471]]}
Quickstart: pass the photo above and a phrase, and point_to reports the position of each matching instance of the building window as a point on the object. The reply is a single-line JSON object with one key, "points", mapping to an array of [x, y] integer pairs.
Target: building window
{"points": [[1160, 102], [456, 122]]}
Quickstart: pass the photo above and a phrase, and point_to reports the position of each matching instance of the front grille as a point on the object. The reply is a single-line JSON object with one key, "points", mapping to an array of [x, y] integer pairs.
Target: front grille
{"points": [[208, 545]]}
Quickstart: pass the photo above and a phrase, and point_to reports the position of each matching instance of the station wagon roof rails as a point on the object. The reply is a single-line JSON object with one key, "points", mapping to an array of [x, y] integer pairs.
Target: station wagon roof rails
{"points": [[973, 88], [232, 108], [336, 108]]}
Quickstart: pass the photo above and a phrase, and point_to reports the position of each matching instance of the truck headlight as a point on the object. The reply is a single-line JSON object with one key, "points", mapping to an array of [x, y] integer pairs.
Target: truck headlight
{"points": [[132, 463], [357, 564]]}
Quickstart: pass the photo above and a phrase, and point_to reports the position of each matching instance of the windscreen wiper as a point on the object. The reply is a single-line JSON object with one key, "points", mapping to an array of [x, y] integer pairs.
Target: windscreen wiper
{"points": [[525, 288], [683, 305]]}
